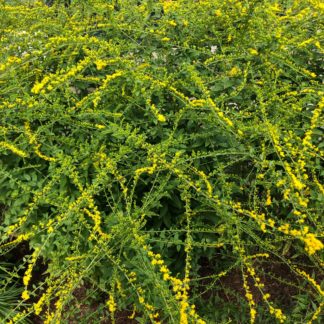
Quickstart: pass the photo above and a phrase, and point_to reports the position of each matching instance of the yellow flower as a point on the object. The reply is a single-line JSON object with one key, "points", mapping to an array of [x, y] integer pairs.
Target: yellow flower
{"points": [[100, 64], [38, 86], [172, 23], [13, 149], [312, 244], [234, 71], [27, 278], [277, 313], [253, 51], [161, 118], [25, 295], [280, 183], [111, 304]]}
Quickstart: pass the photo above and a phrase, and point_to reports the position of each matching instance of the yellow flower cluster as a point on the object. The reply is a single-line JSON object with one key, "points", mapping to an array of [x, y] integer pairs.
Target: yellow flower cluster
{"points": [[172, 23], [257, 255], [46, 296], [11, 61], [274, 133], [13, 149], [234, 71], [316, 313], [17, 318], [100, 64], [36, 146], [19, 239], [170, 5], [277, 312], [149, 170], [109, 164], [148, 307], [28, 273], [39, 305], [259, 218], [218, 13], [259, 285], [39, 86], [25, 295], [307, 140], [219, 113], [161, 118], [312, 244], [53, 80], [112, 306], [180, 288], [310, 280], [253, 51], [250, 299], [95, 216], [297, 184], [63, 294], [96, 95]]}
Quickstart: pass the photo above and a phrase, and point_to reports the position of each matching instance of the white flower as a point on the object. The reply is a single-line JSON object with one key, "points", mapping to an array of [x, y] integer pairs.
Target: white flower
{"points": [[213, 49]]}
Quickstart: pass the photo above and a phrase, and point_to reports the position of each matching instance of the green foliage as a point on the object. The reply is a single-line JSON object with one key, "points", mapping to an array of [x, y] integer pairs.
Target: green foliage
{"points": [[165, 157], [9, 292]]}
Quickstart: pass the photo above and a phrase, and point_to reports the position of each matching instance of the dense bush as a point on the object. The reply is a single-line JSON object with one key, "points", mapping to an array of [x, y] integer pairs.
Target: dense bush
{"points": [[161, 161]]}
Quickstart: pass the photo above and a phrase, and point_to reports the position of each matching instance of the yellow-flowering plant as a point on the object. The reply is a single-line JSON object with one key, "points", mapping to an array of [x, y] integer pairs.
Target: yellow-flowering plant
{"points": [[160, 161]]}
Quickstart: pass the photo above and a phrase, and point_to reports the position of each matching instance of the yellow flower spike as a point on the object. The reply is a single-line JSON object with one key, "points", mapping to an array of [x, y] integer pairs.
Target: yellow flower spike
{"points": [[250, 300], [19, 239], [310, 280], [33, 141], [316, 313], [13, 149], [39, 86], [112, 306]]}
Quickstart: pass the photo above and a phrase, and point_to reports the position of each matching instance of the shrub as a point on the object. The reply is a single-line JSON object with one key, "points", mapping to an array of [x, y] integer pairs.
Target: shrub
{"points": [[165, 158]]}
